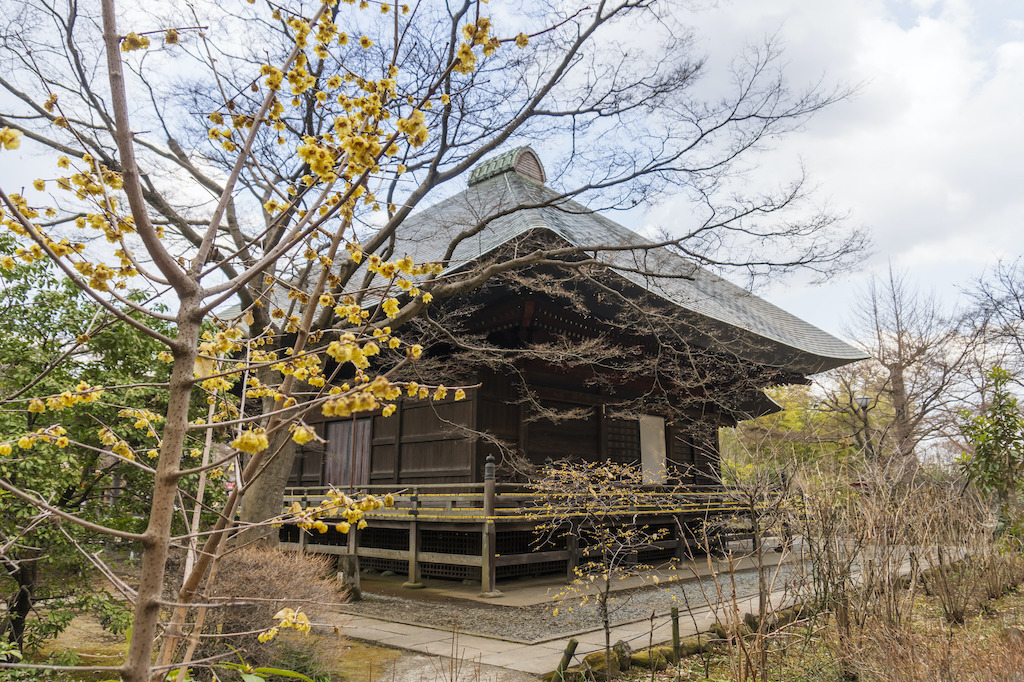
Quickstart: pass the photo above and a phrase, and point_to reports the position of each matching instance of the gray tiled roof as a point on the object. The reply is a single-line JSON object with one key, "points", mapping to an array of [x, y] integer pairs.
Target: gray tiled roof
{"points": [[496, 190]]}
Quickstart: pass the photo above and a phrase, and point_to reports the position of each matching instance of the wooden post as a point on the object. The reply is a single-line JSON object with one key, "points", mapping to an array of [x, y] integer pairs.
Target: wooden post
{"points": [[348, 566], [572, 544], [570, 649], [489, 486], [488, 536], [675, 636], [683, 546], [414, 582]]}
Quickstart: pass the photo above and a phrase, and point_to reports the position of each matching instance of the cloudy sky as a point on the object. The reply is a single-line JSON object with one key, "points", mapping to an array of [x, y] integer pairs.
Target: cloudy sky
{"points": [[928, 156]]}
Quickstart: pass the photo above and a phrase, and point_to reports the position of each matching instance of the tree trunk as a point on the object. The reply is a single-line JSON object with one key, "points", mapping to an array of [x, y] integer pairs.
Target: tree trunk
{"points": [[157, 537], [27, 577], [264, 497]]}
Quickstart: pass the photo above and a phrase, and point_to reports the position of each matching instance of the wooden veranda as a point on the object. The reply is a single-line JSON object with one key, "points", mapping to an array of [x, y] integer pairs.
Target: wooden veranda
{"points": [[487, 531]]}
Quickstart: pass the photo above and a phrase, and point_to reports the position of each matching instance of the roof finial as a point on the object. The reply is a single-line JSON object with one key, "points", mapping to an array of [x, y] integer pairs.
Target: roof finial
{"points": [[523, 161]]}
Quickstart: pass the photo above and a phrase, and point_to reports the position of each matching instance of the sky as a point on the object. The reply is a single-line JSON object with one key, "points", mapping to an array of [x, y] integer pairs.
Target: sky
{"points": [[927, 156]]}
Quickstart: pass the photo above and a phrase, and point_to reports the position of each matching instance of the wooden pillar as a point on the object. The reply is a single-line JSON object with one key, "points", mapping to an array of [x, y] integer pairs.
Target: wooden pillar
{"points": [[488, 536], [348, 566], [683, 548], [572, 543], [414, 582]]}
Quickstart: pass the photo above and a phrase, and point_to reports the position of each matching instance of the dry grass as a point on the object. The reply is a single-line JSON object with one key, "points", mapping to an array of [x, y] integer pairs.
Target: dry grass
{"points": [[256, 583]]}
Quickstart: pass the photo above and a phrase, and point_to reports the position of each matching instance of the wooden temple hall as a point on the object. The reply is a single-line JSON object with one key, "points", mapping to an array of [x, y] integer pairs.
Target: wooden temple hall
{"points": [[464, 508]]}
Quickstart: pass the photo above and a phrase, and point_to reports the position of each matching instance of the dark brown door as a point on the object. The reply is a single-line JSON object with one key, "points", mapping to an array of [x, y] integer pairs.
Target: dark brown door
{"points": [[348, 453]]}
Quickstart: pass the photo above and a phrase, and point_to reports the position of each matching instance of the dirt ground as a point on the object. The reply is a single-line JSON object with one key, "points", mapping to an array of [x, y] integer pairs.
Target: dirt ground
{"points": [[351, 662]]}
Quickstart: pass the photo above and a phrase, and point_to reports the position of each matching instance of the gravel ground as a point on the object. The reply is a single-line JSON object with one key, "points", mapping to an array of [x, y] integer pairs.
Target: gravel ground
{"points": [[539, 623]]}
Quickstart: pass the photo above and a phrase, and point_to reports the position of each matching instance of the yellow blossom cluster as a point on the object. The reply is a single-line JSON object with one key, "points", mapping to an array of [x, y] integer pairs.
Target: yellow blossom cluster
{"points": [[287, 618], [302, 434], [251, 441], [9, 138], [476, 34], [82, 393], [337, 505], [55, 434], [144, 419], [133, 41]]}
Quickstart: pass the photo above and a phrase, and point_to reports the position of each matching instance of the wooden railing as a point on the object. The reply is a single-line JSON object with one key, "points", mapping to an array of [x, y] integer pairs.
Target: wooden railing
{"points": [[490, 511]]}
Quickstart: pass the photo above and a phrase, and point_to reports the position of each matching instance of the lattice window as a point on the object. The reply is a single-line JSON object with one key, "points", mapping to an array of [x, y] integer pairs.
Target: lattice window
{"points": [[623, 441], [655, 557], [384, 538], [540, 568], [451, 542], [432, 570], [380, 564], [523, 542]]}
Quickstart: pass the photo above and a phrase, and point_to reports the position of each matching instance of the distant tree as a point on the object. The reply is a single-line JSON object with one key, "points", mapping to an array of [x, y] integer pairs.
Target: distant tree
{"points": [[996, 461], [916, 378], [999, 310], [804, 430]]}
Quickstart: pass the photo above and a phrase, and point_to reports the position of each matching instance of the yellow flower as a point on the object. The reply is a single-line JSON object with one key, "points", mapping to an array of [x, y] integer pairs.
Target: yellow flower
{"points": [[303, 434], [7, 263], [121, 448], [9, 139], [36, 406], [251, 442], [25, 443], [171, 37], [5, 449], [268, 635], [460, 394], [342, 527], [39, 184], [391, 307], [365, 43], [522, 40], [133, 41]]}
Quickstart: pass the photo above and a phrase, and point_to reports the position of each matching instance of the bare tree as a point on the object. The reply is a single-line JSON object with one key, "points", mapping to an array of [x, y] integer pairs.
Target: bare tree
{"points": [[999, 304], [910, 390]]}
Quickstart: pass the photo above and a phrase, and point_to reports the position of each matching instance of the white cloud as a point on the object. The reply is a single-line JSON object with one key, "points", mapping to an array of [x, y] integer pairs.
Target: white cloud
{"points": [[928, 154]]}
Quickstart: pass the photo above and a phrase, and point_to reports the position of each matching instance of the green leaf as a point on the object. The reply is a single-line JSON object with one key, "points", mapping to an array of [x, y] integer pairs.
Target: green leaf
{"points": [[283, 673]]}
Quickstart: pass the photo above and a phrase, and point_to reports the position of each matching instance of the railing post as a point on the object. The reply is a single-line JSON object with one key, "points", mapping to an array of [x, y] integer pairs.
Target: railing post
{"points": [[489, 486], [414, 582], [676, 649], [488, 535]]}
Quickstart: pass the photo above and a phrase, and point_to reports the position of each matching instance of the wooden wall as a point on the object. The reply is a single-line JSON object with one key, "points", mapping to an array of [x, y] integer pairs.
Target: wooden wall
{"points": [[423, 443]]}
